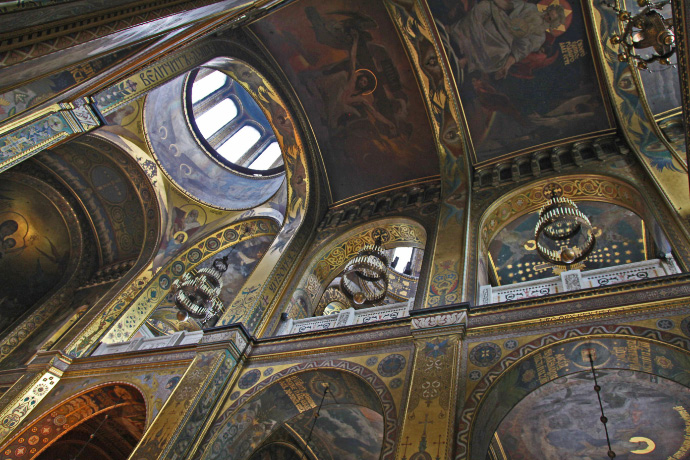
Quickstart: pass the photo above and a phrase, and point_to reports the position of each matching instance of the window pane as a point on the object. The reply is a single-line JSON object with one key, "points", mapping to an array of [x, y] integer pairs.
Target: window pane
{"points": [[267, 157], [207, 85], [244, 139], [405, 255], [221, 114]]}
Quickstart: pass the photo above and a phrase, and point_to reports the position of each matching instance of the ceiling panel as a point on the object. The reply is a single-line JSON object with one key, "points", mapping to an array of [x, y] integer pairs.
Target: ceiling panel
{"points": [[524, 71], [347, 65]]}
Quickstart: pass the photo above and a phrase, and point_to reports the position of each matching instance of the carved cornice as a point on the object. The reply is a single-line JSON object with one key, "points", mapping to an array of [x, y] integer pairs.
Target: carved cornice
{"points": [[421, 198], [562, 158]]}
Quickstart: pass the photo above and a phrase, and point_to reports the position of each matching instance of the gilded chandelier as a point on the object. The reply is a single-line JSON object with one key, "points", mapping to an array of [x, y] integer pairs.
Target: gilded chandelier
{"points": [[647, 29], [564, 235], [364, 279], [197, 292]]}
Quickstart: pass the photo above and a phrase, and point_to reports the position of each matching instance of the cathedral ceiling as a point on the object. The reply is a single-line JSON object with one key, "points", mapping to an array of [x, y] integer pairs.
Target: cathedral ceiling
{"points": [[348, 66], [555, 421], [36, 242], [526, 75]]}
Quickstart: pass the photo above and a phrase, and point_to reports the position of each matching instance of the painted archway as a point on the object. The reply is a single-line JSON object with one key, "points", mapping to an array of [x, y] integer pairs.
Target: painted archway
{"points": [[65, 429], [285, 402], [624, 348], [332, 255], [596, 189]]}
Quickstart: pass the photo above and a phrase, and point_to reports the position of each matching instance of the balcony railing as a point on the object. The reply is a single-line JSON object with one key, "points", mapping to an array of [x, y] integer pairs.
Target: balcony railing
{"points": [[573, 280], [176, 339], [347, 317]]}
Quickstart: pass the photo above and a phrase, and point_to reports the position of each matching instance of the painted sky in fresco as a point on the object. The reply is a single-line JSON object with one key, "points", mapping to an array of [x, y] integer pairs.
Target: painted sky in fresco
{"points": [[561, 419], [619, 241], [347, 64], [524, 71]]}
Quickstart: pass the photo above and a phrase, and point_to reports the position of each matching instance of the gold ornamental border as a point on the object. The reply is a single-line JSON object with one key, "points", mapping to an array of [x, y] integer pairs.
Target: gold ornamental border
{"points": [[578, 188]]}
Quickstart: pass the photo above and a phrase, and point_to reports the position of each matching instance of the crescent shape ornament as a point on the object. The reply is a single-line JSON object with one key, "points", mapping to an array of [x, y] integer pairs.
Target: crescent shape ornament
{"points": [[650, 445]]}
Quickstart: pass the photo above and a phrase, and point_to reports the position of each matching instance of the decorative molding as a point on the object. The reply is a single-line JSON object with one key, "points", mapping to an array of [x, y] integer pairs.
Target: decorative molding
{"points": [[560, 159], [422, 198], [63, 122], [440, 320]]}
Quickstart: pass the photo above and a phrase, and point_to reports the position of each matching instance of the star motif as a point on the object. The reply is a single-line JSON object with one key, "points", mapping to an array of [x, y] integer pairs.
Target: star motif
{"points": [[436, 348]]}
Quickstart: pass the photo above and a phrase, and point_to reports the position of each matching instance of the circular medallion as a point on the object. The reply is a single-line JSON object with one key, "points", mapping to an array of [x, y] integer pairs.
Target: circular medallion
{"points": [[485, 354], [665, 324], [164, 282], [685, 326], [117, 214], [475, 375], [391, 365], [371, 361], [235, 395], [194, 255], [212, 244], [249, 379], [177, 268], [381, 233], [268, 372], [510, 344], [396, 382], [230, 235]]}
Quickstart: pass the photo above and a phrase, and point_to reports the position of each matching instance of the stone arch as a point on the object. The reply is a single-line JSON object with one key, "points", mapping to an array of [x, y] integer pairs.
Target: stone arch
{"points": [[354, 385], [60, 426], [558, 355], [590, 187], [125, 318], [120, 207], [332, 254]]}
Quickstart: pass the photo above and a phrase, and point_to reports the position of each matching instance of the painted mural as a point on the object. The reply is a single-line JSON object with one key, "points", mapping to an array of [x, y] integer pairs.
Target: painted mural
{"points": [[104, 179], [647, 419], [242, 258], [124, 404], [524, 70], [20, 99], [342, 432], [620, 233], [34, 247], [244, 431], [350, 71], [652, 360]]}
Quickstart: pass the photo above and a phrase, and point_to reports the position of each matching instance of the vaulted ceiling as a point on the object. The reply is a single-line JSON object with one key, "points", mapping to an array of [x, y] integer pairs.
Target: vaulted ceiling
{"points": [[528, 75]]}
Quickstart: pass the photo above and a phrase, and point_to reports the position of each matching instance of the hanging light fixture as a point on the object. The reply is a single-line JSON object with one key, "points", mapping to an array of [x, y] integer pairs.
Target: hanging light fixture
{"points": [[365, 278], [197, 291], [564, 235], [647, 29], [603, 419]]}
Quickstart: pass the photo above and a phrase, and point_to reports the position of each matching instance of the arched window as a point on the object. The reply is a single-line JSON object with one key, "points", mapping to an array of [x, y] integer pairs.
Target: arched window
{"points": [[230, 124]]}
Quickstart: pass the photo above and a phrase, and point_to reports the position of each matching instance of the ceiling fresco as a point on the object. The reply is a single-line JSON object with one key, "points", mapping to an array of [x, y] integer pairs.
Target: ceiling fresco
{"points": [[524, 71], [647, 418], [285, 400], [342, 431], [349, 69], [34, 245], [620, 234]]}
